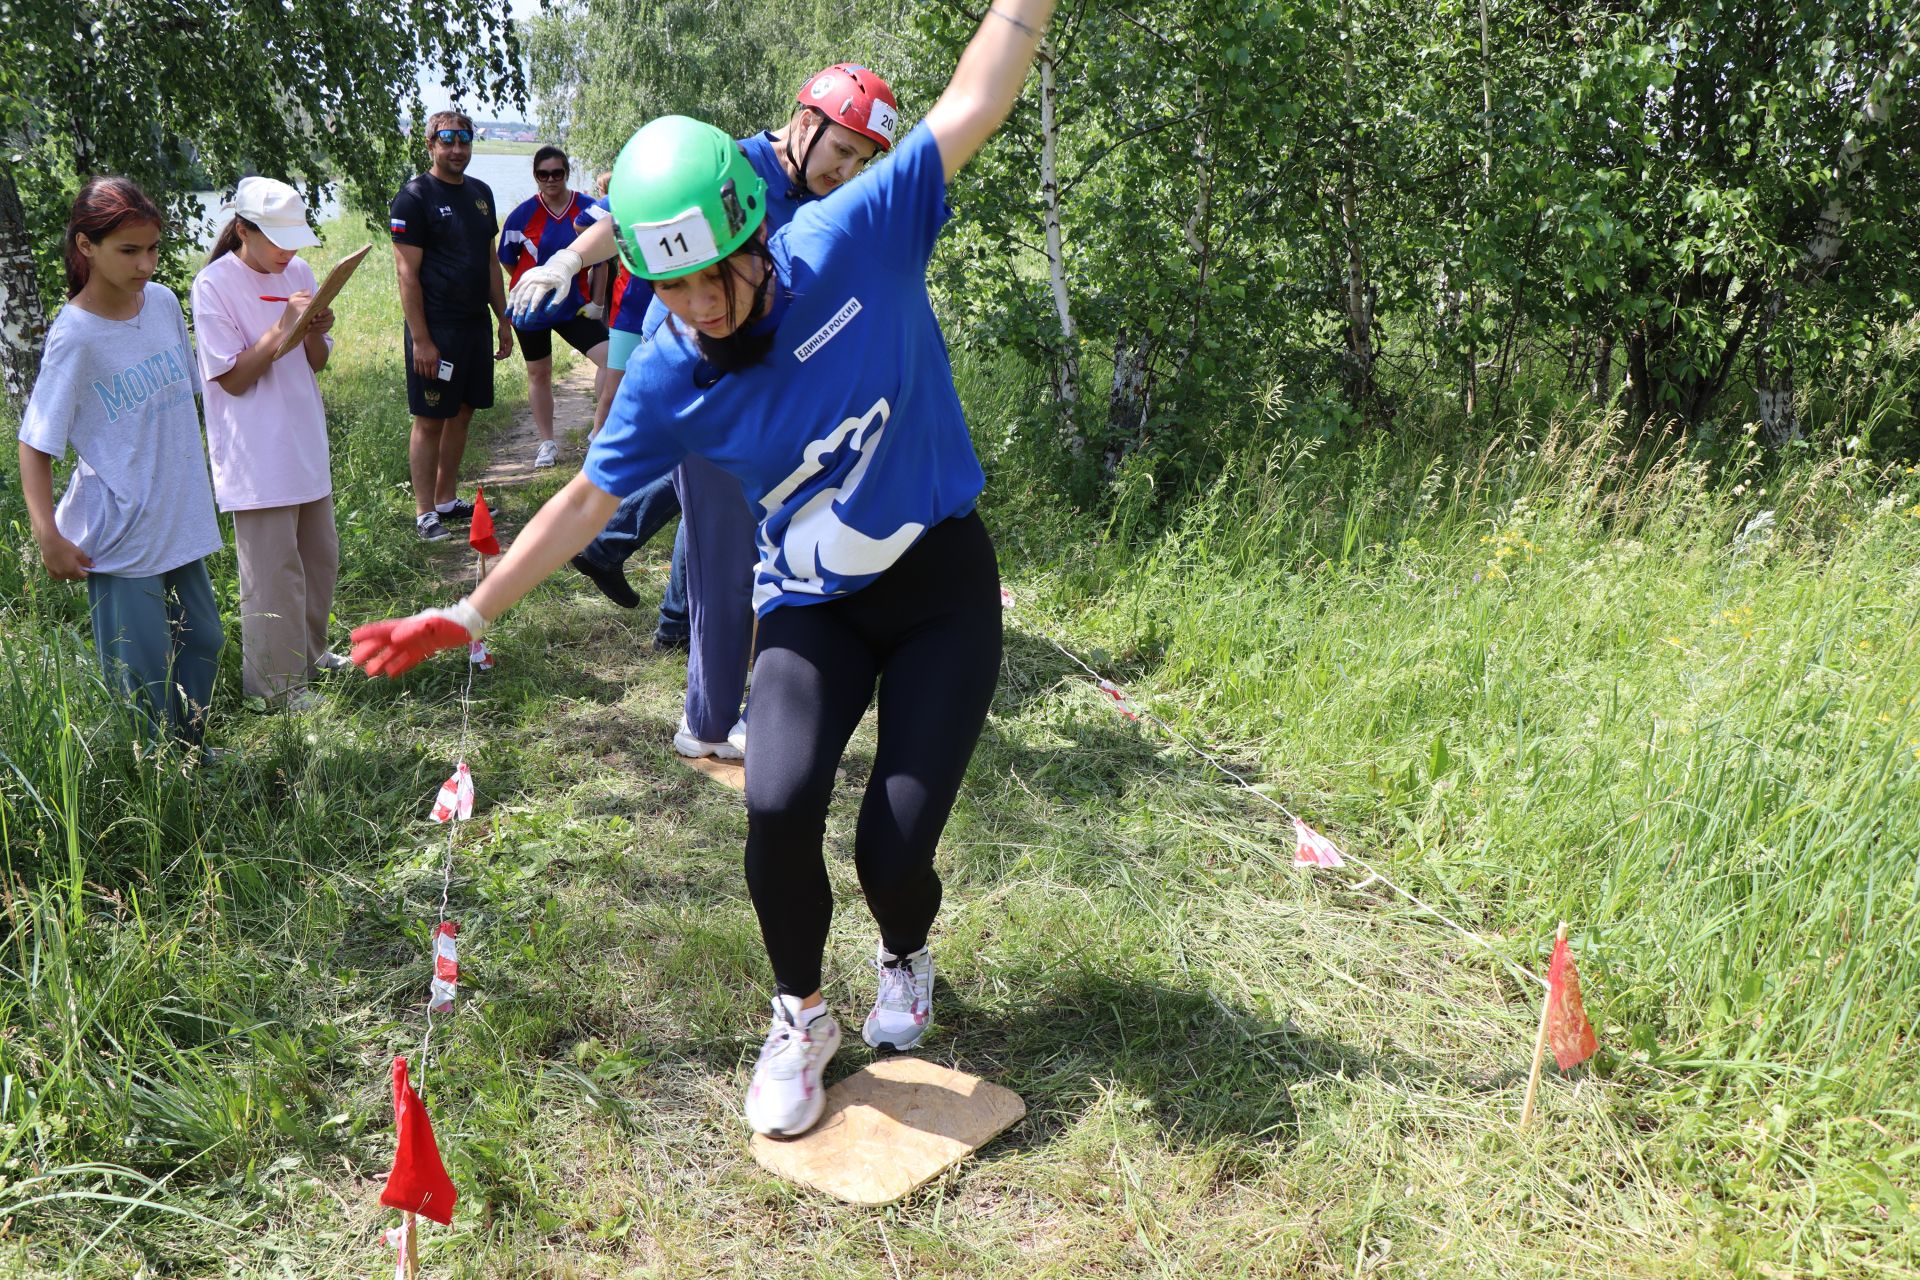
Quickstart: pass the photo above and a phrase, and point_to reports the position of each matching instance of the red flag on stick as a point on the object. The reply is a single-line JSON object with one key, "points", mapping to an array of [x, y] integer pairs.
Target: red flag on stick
{"points": [[418, 1182], [480, 533], [1569, 1034]]}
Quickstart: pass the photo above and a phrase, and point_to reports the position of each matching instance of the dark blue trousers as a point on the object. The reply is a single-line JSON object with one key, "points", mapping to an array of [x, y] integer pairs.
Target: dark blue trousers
{"points": [[721, 554], [639, 516]]}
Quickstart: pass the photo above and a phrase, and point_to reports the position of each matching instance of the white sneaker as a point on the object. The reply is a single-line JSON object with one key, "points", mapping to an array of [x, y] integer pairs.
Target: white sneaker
{"points": [[787, 1094], [693, 748], [547, 454], [904, 1004], [331, 662]]}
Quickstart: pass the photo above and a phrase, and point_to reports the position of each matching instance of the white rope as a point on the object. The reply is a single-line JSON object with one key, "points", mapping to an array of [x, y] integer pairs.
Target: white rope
{"points": [[1373, 873], [453, 823]]}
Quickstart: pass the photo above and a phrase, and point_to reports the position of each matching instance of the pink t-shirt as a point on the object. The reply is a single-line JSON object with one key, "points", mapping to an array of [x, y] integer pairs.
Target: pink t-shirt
{"points": [[269, 446]]}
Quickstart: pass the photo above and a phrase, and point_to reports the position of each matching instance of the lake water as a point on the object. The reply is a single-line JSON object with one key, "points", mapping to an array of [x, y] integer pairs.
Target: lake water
{"points": [[511, 178]]}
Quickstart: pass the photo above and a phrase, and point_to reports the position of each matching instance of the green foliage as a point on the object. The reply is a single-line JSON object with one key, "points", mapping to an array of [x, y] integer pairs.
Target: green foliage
{"points": [[163, 91], [1641, 185], [1681, 170], [734, 63]]}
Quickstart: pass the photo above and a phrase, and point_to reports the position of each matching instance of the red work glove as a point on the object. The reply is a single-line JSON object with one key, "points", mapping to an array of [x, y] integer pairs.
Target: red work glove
{"points": [[399, 644]]}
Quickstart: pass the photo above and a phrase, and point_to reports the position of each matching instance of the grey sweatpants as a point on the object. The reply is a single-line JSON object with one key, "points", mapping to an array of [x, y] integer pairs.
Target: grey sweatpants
{"points": [[159, 643], [289, 561]]}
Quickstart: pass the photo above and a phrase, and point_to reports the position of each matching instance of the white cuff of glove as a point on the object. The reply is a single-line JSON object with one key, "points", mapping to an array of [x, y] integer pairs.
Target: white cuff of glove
{"points": [[567, 260], [466, 615], [592, 311]]}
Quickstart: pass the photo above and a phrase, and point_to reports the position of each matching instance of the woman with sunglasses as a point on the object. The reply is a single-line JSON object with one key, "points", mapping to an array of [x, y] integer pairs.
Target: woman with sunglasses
{"points": [[811, 367], [540, 227]]}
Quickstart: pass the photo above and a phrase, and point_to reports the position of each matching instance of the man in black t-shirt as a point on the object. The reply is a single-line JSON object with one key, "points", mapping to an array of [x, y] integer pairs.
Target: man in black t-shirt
{"points": [[444, 224]]}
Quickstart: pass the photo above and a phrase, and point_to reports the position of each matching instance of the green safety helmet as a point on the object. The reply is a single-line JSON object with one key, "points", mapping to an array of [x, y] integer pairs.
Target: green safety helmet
{"points": [[683, 197]]}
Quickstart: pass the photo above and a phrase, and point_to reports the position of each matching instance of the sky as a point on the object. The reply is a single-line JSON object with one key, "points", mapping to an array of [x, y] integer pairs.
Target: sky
{"points": [[438, 98]]}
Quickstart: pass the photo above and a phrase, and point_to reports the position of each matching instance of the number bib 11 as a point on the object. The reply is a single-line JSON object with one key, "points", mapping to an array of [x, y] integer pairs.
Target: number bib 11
{"points": [[669, 248]]}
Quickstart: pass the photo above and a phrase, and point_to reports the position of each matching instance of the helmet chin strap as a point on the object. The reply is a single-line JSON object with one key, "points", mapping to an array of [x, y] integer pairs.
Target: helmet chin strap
{"points": [[797, 187]]}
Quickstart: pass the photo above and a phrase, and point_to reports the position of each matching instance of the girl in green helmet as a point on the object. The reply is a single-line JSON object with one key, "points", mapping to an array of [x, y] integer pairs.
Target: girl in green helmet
{"points": [[809, 365]]}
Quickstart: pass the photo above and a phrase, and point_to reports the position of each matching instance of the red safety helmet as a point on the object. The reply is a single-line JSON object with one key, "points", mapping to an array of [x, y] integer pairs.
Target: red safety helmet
{"points": [[855, 97]]}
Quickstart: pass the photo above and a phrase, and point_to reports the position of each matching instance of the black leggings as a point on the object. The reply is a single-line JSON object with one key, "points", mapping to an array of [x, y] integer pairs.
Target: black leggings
{"points": [[928, 631]]}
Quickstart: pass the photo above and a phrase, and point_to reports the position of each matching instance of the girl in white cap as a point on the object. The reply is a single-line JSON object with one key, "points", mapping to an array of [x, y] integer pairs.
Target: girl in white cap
{"points": [[267, 438]]}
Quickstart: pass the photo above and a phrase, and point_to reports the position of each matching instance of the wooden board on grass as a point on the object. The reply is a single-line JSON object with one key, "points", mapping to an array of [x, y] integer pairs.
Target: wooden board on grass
{"points": [[892, 1127], [728, 773]]}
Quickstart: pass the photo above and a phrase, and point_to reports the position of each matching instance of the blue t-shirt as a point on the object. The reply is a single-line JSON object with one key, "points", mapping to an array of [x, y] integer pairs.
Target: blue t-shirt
{"points": [[528, 238], [847, 438]]}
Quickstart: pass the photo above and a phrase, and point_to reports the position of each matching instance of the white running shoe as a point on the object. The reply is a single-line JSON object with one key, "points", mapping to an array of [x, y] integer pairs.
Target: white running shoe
{"points": [[693, 748], [547, 454], [787, 1095], [904, 1004]]}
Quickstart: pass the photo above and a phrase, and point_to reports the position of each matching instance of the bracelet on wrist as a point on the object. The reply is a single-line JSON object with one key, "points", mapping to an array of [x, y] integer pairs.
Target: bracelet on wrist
{"points": [[1007, 17]]}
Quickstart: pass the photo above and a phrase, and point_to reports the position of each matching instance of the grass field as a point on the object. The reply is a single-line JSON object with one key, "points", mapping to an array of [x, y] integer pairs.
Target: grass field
{"points": [[1530, 682]]}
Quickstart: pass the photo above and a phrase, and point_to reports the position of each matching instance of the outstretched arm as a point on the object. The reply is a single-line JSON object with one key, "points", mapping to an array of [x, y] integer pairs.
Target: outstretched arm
{"points": [[988, 79], [568, 522]]}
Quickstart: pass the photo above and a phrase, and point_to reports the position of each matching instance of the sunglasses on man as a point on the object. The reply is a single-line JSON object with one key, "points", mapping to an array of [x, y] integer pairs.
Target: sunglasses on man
{"points": [[447, 137], [550, 175]]}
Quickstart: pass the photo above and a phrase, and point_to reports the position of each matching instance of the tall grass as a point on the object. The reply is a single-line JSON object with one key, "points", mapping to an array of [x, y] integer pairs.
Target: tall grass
{"points": [[1674, 704]]}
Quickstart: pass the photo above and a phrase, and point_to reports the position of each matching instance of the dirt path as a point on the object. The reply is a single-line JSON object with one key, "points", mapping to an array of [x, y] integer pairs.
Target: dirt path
{"points": [[512, 454]]}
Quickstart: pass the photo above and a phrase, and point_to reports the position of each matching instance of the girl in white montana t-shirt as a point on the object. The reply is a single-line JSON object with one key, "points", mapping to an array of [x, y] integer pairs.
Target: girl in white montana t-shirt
{"points": [[116, 386]]}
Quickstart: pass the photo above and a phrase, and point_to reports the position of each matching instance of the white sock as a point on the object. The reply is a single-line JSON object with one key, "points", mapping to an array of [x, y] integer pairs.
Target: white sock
{"points": [[444, 507], [801, 1017]]}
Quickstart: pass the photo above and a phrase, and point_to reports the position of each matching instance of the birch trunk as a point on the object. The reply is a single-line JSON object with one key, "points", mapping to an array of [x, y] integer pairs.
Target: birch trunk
{"points": [[1128, 400], [1602, 388], [1066, 372], [23, 320]]}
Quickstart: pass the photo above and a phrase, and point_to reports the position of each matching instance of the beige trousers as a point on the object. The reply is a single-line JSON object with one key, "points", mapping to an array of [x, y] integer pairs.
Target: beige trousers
{"points": [[289, 561]]}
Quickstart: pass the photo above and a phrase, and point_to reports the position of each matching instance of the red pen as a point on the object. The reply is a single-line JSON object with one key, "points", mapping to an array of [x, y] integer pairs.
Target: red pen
{"points": [[267, 297]]}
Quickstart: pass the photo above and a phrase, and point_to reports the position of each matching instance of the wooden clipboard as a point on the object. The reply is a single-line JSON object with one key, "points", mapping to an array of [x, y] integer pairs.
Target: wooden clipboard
{"points": [[323, 298]]}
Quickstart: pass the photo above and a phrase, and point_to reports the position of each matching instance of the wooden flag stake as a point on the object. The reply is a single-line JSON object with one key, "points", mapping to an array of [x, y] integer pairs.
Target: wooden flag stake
{"points": [[1540, 1044], [408, 1240]]}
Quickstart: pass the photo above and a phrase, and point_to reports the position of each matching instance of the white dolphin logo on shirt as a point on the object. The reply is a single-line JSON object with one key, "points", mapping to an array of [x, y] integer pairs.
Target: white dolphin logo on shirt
{"points": [[817, 541]]}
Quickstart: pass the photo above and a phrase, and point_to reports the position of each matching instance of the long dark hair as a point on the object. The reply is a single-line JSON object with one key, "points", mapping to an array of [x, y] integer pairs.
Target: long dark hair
{"points": [[741, 348], [229, 238], [103, 206]]}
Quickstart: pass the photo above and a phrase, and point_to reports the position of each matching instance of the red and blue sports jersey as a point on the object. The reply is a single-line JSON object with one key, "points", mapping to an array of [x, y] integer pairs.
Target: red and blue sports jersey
{"points": [[848, 438], [631, 294], [530, 236]]}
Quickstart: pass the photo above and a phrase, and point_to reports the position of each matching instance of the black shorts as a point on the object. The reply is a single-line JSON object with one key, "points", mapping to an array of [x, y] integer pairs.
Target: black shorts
{"points": [[582, 334], [469, 349]]}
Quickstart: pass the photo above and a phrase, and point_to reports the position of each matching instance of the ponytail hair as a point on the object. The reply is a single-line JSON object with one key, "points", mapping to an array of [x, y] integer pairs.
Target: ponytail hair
{"points": [[229, 239], [103, 206]]}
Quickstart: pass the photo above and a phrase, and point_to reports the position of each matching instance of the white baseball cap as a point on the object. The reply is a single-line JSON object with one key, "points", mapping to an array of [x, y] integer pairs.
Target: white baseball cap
{"points": [[276, 209]]}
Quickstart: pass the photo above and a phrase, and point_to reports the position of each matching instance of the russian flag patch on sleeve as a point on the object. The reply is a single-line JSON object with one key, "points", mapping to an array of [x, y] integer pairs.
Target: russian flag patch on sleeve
{"points": [[397, 225]]}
